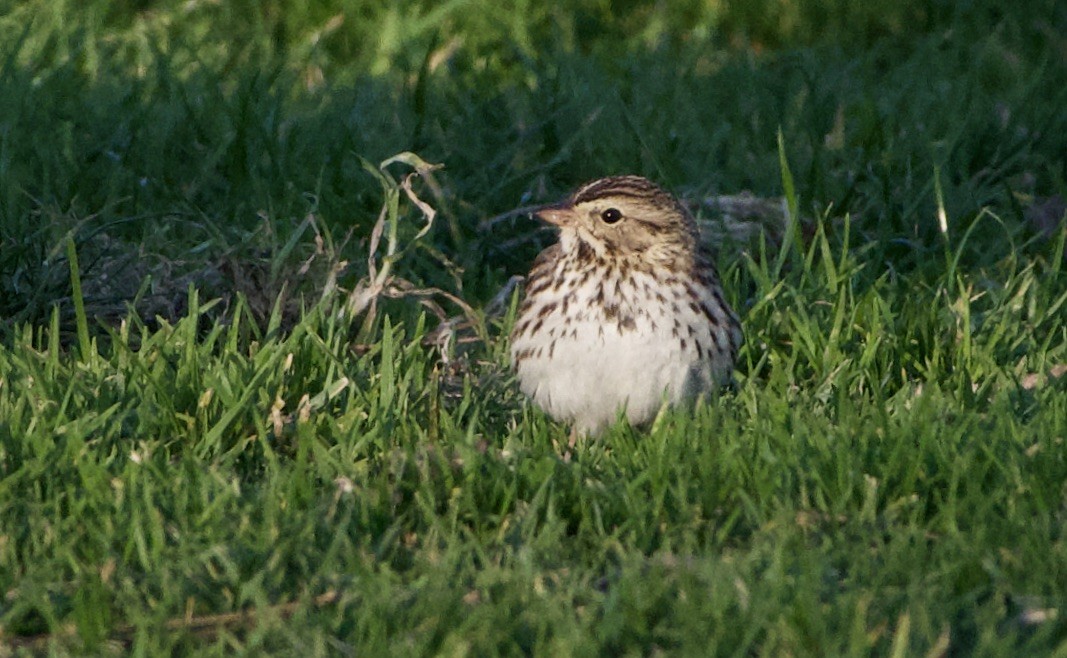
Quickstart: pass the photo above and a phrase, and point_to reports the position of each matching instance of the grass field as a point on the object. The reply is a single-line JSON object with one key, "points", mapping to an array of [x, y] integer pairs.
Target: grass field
{"points": [[233, 421]]}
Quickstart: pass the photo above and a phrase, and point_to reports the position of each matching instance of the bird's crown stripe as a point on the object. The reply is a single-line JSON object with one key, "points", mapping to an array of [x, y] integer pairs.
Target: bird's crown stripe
{"points": [[621, 185]]}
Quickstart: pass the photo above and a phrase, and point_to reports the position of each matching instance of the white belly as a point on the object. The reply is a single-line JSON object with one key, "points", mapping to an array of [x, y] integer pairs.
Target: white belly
{"points": [[587, 366]]}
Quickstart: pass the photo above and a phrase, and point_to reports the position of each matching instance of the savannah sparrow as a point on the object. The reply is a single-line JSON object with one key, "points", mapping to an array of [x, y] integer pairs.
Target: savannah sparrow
{"points": [[625, 312]]}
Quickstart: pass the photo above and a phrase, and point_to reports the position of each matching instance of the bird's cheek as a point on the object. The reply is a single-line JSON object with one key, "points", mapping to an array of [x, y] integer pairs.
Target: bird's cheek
{"points": [[629, 241], [602, 232]]}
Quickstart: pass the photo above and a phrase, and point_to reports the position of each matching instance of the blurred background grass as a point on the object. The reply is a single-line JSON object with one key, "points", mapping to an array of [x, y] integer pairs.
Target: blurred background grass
{"points": [[199, 135]]}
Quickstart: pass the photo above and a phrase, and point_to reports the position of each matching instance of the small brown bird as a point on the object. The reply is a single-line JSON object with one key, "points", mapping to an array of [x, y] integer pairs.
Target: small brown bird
{"points": [[625, 312]]}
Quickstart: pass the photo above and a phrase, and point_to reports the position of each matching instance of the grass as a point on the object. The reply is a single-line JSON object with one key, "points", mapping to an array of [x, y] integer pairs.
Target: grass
{"points": [[210, 443]]}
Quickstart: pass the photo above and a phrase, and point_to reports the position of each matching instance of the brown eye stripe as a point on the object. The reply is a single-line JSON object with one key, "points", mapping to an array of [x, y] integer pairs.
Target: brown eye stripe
{"points": [[654, 228]]}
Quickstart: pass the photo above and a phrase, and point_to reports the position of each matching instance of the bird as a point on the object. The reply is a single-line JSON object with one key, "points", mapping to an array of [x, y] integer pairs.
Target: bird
{"points": [[624, 313]]}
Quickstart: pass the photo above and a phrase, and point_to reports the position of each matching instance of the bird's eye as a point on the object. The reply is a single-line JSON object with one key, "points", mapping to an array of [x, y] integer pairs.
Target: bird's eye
{"points": [[611, 215]]}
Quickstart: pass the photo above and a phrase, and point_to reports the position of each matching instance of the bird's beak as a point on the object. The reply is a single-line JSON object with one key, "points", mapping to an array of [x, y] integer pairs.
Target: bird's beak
{"points": [[560, 214]]}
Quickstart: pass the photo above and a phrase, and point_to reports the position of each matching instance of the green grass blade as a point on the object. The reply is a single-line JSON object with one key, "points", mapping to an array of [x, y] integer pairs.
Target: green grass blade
{"points": [[84, 343]]}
